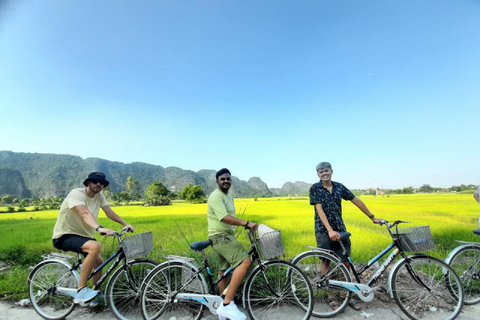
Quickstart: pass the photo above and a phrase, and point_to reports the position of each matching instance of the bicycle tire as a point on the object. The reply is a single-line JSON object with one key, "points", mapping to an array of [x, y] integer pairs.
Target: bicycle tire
{"points": [[311, 263], [43, 281], [293, 296], [466, 263], [157, 297], [416, 301], [123, 288]]}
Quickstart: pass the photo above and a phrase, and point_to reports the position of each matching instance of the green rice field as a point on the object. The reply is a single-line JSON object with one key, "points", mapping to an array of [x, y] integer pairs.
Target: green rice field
{"points": [[27, 235]]}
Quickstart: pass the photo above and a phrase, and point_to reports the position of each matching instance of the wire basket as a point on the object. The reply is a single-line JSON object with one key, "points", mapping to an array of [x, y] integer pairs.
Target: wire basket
{"points": [[271, 244], [138, 245], [415, 239]]}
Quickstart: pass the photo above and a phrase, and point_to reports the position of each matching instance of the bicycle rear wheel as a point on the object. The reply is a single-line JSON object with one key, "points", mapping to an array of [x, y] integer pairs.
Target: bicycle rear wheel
{"points": [[277, 290], [466, 263], [43, 283], [329, 301], [426, 288], [158, 294], [123, 288]]}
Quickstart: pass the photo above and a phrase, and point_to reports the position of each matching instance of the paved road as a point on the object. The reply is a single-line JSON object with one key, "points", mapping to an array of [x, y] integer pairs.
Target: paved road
{"points": [[12, 311]]}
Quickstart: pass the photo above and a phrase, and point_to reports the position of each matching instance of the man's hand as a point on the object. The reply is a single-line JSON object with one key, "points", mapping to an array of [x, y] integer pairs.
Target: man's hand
{"points": [[130, 227], [106, 232], [377, 220], [334, 235], [252, 225]]}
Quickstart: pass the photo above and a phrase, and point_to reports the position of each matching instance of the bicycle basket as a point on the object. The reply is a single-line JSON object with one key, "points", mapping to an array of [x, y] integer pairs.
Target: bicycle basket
{"points": [[271, 244], [138, 245], [415, 239]]}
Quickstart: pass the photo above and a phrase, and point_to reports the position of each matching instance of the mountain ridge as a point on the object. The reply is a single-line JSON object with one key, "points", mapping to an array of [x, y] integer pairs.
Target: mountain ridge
{"points": [[43, 175]]}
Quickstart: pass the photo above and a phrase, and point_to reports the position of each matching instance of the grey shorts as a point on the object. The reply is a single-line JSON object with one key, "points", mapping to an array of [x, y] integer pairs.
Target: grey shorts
{"points": [[230, 251], [324, 242]]}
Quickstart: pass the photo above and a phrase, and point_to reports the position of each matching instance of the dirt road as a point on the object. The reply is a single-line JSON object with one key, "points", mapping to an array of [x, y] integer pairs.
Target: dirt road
{"points": [[373, 311]]}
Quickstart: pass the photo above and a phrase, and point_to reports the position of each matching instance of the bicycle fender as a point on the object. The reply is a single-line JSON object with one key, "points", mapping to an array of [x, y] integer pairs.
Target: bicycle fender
{"points": [[395, 267], [330, 254], [185, 262], [454, 251], [64, 262]]}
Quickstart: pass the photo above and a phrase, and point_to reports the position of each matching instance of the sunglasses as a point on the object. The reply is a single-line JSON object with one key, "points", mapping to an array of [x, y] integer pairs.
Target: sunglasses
{"points": [[95, 181], [225, 179]]}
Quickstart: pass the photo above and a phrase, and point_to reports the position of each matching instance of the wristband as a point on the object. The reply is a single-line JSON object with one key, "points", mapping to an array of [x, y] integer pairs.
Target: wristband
{"points": [[99, 226], [246, 224], [372, 216]]}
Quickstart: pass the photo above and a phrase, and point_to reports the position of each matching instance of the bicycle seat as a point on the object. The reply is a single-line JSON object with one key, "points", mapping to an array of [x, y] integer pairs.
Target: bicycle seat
{"points": [[200, 245], [344, 235], [477, 231]]}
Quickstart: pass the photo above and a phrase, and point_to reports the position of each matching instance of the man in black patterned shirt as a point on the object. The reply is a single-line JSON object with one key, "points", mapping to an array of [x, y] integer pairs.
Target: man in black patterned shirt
{"points": [[326, 196]]}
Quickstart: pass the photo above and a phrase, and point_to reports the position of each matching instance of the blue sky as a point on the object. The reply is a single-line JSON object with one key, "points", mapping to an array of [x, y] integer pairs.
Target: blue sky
{"points": [[387, 91]]}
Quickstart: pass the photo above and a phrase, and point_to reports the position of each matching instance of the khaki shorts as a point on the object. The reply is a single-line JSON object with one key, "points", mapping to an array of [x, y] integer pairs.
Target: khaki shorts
{"points": [[230, 251]]}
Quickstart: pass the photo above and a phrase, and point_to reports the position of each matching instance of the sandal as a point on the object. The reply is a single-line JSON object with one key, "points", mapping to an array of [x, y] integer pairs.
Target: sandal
{"points": [[355, 304], [333, 303]]}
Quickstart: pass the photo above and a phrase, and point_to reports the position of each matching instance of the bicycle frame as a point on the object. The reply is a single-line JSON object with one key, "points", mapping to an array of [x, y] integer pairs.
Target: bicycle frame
{"points": [[365, 291], [211, 300], [118, 256]]}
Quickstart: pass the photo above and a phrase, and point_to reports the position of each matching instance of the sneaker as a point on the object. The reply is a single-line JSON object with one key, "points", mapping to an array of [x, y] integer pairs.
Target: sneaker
{"points": [[230, 311], [100, 299], [85, 295]]}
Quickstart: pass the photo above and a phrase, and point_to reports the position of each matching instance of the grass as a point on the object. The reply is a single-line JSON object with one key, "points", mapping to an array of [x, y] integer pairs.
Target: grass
{"points": [[26, 236]]}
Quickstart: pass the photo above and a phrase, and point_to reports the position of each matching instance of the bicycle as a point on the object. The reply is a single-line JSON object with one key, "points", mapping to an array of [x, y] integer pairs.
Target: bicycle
{"points": [[177, 289], [465, 260], [423, 287], [53, 283]]}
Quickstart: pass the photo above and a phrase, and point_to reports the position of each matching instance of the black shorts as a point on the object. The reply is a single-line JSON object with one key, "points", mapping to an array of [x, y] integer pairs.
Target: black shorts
{"points": [[324, 242], [71, 242]]}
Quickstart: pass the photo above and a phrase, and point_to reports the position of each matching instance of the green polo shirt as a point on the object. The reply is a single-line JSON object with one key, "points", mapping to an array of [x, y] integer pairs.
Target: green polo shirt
{"points": [[219, 206]]}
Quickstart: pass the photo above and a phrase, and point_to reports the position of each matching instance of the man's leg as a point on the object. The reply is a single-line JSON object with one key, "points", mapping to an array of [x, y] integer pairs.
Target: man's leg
{"points": [[237, 278], [92, 248], [222, 285]]}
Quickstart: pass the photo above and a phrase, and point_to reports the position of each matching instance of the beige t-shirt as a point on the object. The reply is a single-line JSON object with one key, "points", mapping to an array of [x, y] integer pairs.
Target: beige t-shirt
{"points": [[69, 221], [219, 206]]}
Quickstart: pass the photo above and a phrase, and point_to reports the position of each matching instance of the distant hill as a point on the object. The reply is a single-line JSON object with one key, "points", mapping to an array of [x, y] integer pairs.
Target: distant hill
{"points": [[40, 175]]}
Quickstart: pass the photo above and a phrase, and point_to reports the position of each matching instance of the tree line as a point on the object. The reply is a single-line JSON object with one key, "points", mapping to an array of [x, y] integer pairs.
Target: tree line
{"points": [[156, 194]]}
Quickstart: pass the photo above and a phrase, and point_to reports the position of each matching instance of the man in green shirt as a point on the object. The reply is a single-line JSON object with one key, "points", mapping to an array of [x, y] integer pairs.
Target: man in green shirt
{"points": [[231, 253]]}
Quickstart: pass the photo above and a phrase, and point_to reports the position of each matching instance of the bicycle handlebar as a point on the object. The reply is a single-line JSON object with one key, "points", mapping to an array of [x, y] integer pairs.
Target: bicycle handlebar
{"points": [[119, 234]]}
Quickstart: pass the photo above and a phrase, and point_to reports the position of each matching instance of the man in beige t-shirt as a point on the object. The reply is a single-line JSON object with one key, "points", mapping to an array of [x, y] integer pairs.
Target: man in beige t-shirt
{"points": [[76, 224]]}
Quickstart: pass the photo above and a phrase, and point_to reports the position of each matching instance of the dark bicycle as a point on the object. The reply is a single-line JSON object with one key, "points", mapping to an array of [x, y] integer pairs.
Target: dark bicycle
{"points": [[465, 260], [423, 287], [177, 289], [53, 283]]}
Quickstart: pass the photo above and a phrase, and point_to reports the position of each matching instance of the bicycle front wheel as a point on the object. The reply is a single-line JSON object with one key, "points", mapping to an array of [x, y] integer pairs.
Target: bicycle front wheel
{"points": [[426, 288], [48, 286], [158, 294], [320, 267], [466, 263], [277, 290], [123, 288]]}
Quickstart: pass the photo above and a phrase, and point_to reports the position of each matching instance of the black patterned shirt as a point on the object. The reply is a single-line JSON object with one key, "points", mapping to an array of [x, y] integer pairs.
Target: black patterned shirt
{"points": [[331, 205]]}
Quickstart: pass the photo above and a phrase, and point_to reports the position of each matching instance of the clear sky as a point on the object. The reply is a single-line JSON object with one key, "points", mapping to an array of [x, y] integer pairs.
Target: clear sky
{"points": [[387, 91]]}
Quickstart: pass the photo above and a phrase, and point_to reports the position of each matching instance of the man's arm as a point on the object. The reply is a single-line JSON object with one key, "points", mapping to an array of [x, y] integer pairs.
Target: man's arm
{"points": [[234, 221], [112, 215], [333, 234], [360, 205], [89, 219]]}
